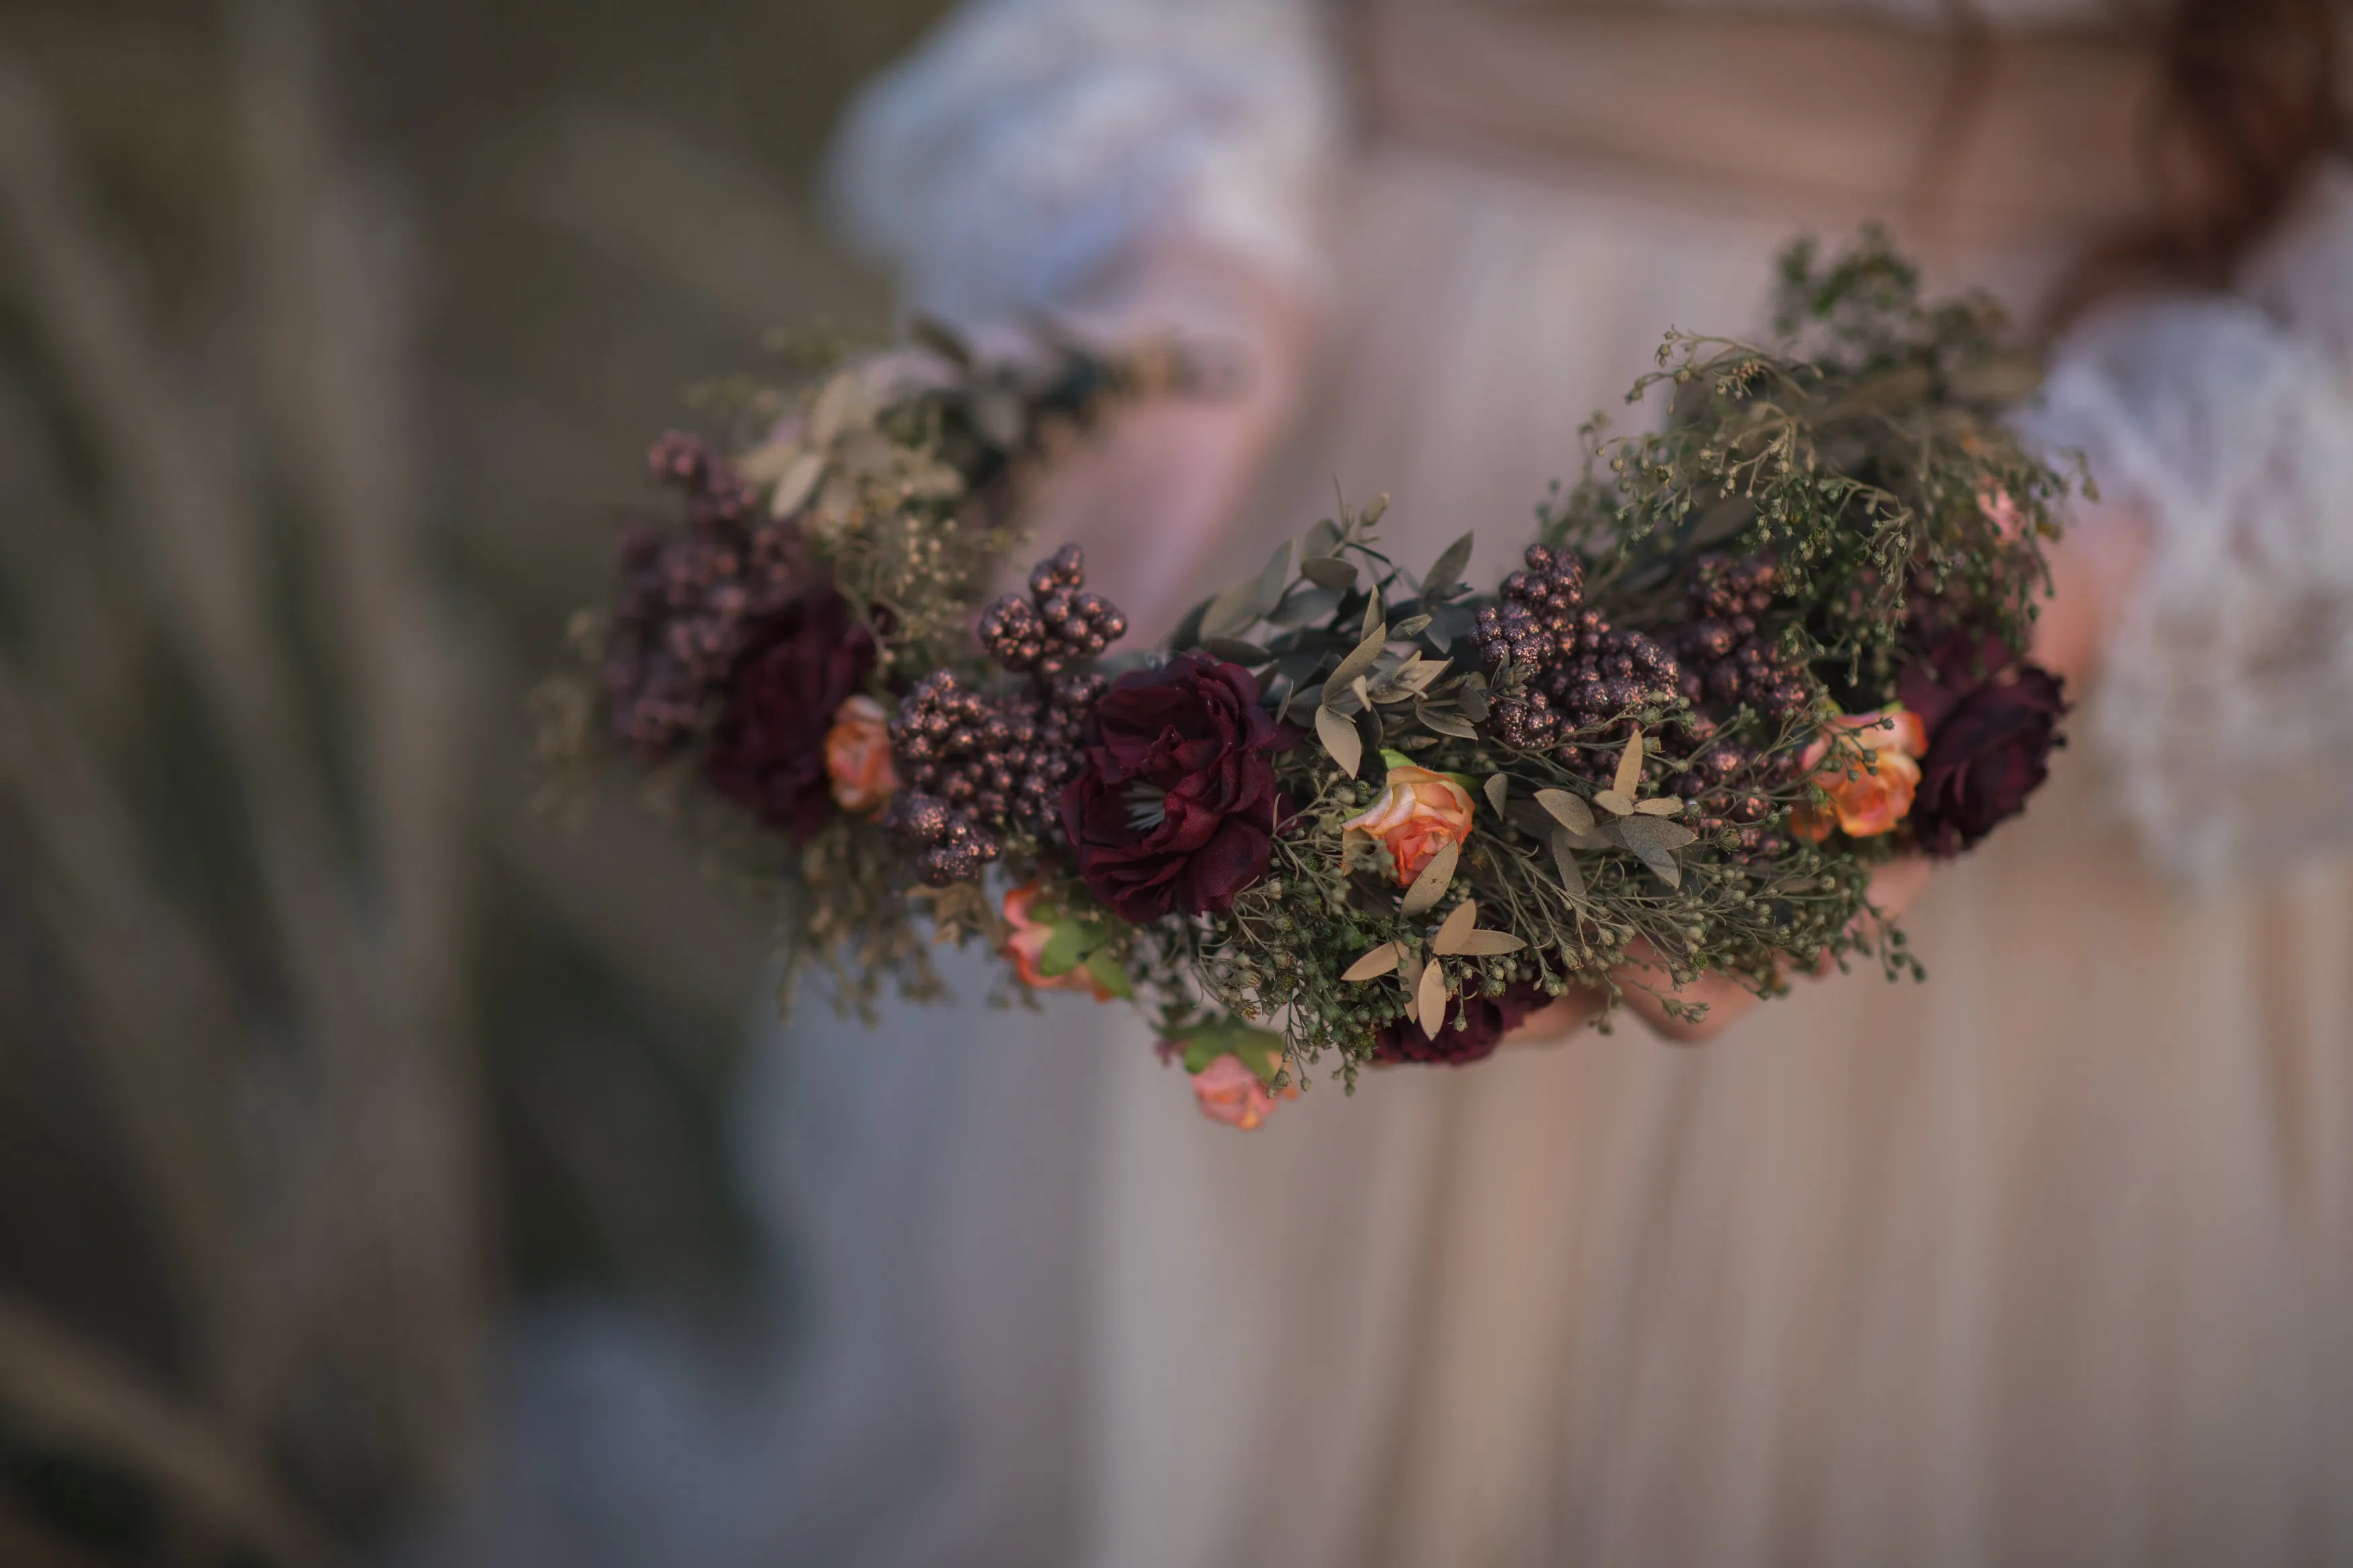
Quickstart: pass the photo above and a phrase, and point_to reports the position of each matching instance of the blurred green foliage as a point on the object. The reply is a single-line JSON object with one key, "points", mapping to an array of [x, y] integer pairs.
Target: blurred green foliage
{"points": [[331, 337]]}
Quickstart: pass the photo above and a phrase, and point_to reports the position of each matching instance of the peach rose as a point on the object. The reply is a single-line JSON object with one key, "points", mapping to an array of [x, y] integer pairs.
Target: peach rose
{"points": [[857, 756], [1232, 1093], [1027, 946], [1417, 813], [1865, 801]]}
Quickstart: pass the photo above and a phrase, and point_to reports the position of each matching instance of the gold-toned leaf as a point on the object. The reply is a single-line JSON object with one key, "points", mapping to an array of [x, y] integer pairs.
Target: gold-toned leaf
{"points": [[1455, 927], [1429, 1001], [1376, 964], [1570, 811], [1636, 832], [1431, 885], [1360, 658], [1375, 615], [1443, 722], [1661, 806], [794, 485], [1614, 801], [1488, 943], [1329, 571], [832, 408], [1340, 738], [1572, 875], [1630, 765], [1499, 792]]}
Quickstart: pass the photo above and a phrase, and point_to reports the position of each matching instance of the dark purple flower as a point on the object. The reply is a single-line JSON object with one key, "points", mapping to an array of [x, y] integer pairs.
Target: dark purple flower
{"points": [[799, 665], [1177, 802], [1474, 1026], [1992, 719]]}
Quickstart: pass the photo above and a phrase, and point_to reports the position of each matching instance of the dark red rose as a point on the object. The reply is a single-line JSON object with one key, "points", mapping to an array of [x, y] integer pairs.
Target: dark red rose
{"points": [[1177, 802], [1475, 1025], [800, 666], [1992, 719]]}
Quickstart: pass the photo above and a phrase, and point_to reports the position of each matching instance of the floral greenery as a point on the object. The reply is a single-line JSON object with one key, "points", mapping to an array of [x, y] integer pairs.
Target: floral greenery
{"points": [[1850, 500]]}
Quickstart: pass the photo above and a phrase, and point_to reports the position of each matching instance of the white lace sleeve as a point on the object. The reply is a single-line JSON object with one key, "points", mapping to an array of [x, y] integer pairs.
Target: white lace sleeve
{"points": [[1030, 144], [2226, 710]]}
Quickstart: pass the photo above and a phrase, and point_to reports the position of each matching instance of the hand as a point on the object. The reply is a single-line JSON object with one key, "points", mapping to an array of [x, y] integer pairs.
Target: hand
{"points": [[1647, 987]]}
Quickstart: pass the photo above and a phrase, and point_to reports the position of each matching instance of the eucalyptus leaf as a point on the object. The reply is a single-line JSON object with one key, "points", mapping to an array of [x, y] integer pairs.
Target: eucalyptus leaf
{"points": [[1629, 766], [1274, 577], [1361, 658], [1488, 943], [1233, 611], [1570, 811], [1446, 572], [1234, 650], [796, 483], [1499, 792], [1613, 801], [1430, 1001], [1376, 964], [1572, 876], [1431, 885], [1660, 805], [1412, 626], [1374, 619], [1306, 607], [1329, 571], [1340, 738], [1189, 630], [1640, 832], [1457, 925], [1321, 540], [1440, 721]]}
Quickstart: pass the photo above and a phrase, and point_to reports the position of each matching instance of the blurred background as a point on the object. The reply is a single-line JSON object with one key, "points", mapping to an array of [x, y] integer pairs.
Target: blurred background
{"points": [[331, 335]]}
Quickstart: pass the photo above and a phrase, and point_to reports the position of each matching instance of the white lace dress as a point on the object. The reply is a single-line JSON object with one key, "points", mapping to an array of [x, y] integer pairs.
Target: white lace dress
{"points": [[2047, 1262]]}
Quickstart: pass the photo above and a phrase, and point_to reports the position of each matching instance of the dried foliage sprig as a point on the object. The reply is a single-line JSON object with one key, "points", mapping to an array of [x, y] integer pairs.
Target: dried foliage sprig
{"points": [[1348, 810]]}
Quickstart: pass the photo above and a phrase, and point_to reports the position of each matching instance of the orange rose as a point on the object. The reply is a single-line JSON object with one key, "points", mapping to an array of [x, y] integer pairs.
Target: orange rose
{"points": [[1864, 801], [1417, 813], [857, 756], [1028, 943], [1232, 1093]]}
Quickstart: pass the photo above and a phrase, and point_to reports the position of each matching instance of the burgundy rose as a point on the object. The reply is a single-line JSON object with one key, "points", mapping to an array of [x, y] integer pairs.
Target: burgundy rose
{"points": [[1176, 802], [1474, 1026], [1992, 719], [797, 668]]}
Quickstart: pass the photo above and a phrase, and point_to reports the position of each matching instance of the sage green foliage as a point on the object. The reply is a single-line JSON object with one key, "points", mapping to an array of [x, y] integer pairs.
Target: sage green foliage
{"points": [[1859, 453]]}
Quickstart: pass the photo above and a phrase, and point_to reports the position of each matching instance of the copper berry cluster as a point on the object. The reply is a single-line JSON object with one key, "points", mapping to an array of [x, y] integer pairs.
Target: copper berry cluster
{"points": [[689, 600], [974, 766], [1583, 672]]}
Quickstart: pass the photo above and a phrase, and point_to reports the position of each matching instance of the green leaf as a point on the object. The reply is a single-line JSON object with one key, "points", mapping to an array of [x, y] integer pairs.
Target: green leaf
{"points": [[1306, 607], [1446, 574], [1322, 540], [1065, 949], [1329, 571], [1111, 975], [1234, 650], [1189, 630], [1372, 616]]}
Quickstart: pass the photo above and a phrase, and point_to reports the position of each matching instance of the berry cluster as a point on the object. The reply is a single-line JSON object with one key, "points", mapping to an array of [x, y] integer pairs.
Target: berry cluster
{"points": [[1582, 672], [1061, 623], [689, 600], [976, 766], [1725, 662]]}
